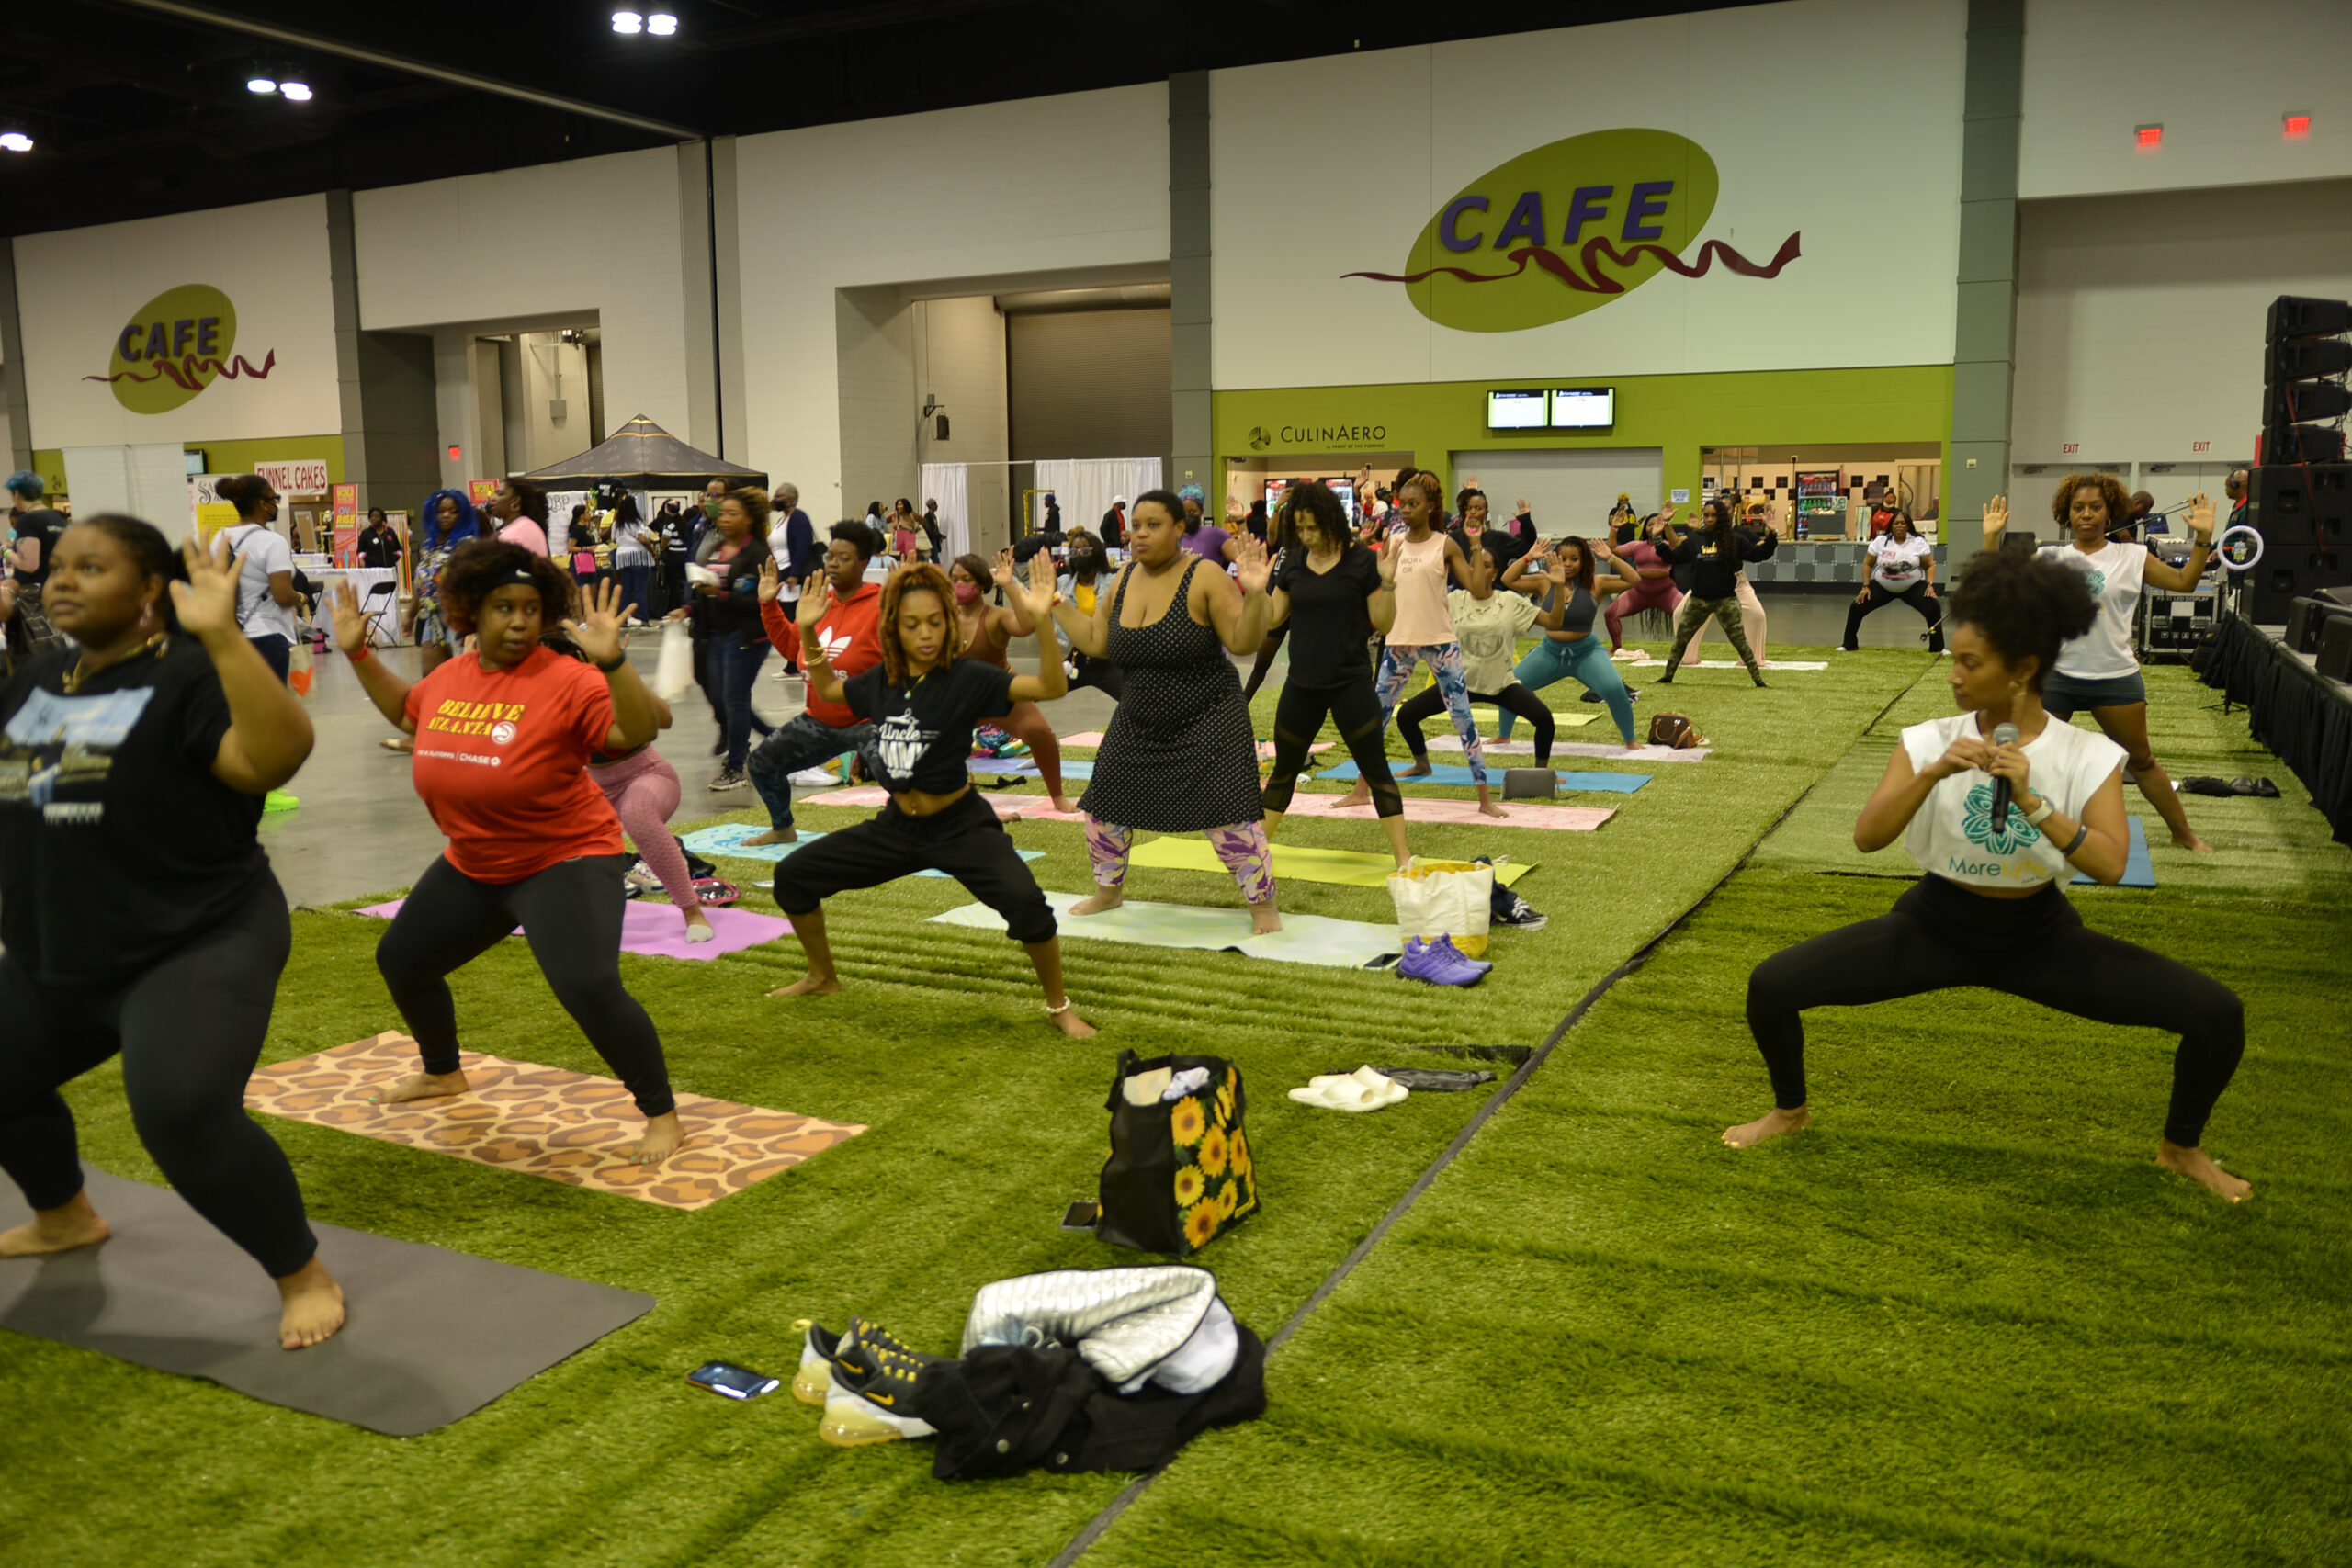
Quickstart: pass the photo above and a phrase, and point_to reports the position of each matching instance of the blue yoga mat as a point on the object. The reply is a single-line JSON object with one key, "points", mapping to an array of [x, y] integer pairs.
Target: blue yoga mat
{"points": [[2139, 871], [1455, 773], [726, 843], [1027, 768]]}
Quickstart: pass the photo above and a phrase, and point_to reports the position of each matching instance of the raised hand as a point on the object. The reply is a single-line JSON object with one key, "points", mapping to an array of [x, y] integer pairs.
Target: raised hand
{"points": [[771, 585], [601, 633], [342, 604], [1041, 590], [1000, 569], [1250, 566], [2200, 515], [1520, 509], [1997, 515], [814, 602], [206, 601], [1388, 562]]}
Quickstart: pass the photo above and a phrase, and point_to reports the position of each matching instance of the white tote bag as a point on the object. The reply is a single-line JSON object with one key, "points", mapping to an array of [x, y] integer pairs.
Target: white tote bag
{"points": [[1444, 898], [674, 670]]}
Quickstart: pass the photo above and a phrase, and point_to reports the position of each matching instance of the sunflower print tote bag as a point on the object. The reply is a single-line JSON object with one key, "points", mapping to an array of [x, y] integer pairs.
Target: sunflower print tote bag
{"points": [[1181, 1170]]}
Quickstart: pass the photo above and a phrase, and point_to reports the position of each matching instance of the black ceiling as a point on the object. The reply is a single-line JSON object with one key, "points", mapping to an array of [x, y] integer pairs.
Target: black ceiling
{"points": [[136, 113]]}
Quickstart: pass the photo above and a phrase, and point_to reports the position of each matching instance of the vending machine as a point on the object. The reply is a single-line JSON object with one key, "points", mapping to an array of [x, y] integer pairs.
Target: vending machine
{"points": [[1820, 512]]}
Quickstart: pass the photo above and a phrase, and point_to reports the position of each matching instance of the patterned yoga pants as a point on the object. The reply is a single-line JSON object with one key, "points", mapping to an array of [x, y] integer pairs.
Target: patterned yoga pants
{"points": [[1242, 847], [1444, 660], [1696, 613]]}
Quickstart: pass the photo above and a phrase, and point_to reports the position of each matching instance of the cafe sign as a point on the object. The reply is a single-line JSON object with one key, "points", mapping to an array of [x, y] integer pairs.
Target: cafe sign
{"points": [[175, 347]]}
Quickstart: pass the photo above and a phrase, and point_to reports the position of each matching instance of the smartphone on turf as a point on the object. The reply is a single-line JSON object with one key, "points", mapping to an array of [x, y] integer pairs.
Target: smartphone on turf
{"points": [[727, 1378]]}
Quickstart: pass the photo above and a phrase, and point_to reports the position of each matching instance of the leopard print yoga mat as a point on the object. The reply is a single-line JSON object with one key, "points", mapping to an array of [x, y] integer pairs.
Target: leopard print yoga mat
{"points": [[566, 1126]]}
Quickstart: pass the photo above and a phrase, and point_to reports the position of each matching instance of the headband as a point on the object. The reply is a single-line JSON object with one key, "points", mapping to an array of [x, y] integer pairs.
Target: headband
{"points": [[520, 577]]}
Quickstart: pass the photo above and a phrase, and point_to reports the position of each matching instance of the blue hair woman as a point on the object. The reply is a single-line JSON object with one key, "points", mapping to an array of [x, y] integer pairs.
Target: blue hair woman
{"points": [[449, 520]]}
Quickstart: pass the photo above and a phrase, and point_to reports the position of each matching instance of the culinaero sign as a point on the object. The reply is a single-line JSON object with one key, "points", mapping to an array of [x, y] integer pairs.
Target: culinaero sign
{"points": [[176, 345], [1568, 228]]}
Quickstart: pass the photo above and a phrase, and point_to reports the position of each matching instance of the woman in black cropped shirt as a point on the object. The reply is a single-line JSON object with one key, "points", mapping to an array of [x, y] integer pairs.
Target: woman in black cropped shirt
{"points": [[1715, 552], [923, 700]]}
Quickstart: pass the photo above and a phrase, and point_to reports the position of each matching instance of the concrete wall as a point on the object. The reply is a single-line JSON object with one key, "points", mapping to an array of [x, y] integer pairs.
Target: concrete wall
{"points": [[959, 347]]}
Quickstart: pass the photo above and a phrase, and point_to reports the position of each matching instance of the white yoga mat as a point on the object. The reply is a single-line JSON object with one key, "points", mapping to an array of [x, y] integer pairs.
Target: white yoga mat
{"points": [[1304, 939]]}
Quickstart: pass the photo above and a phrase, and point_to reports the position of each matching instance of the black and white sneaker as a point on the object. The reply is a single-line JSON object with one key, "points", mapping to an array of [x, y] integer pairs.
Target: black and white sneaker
{"points": [[728, 778], [1516, 913]]}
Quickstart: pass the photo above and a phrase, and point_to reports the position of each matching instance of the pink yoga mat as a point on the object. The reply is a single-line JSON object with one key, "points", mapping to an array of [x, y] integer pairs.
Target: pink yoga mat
{"points": [[657, 930], [1567, 818]]}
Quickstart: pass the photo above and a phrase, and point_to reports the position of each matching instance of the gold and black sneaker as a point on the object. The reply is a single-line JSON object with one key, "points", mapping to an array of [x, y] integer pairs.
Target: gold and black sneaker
{"points": [[877, 1405], [823, 1351]]}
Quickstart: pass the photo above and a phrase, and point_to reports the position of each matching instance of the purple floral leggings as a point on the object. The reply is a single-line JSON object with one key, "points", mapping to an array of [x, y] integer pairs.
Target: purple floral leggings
{"points": [[1242, 847]]}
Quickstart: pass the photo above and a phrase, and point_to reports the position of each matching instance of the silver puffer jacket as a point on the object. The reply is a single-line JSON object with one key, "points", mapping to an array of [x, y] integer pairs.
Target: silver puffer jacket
{"points": [[1124, 1322]]}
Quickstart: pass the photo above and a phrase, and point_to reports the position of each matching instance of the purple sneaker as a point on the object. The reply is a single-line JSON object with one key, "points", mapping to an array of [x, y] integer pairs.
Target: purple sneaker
{"points": [[1479, 964], [1438, 964]]}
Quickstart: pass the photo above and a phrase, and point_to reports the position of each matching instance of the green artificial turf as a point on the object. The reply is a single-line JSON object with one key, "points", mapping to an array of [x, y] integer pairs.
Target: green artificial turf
{"points": [[1611, 1339]]}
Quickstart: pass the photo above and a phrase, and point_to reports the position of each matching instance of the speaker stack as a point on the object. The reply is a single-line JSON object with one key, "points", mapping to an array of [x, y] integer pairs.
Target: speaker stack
{"points": [[2302, 492]]}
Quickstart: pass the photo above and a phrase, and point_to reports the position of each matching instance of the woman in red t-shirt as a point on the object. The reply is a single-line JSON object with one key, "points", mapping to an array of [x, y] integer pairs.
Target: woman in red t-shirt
{"points": [[502, 741]]}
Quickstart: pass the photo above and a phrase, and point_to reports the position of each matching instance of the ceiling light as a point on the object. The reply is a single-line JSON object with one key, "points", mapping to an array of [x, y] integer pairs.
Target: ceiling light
{"points": [[295, 92], [261, 84], [661, 24], [628, 22], [14, 140], [2297, 126]]}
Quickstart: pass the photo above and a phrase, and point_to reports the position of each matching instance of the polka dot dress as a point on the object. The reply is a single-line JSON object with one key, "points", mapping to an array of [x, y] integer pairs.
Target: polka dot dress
{"points": [[1179, 755]]}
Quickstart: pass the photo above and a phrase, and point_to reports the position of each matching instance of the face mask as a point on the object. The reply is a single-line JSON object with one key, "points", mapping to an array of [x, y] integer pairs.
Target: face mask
{"points": [[966, 593], [711, 509]]}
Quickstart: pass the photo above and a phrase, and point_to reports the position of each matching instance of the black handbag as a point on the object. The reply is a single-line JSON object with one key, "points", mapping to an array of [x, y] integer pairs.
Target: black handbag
{"points": [[1180, 1171]]}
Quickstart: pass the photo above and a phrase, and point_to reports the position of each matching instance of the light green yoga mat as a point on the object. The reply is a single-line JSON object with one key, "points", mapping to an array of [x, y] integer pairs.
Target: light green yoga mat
{"points": [[1293, 863], [1304, 939]]}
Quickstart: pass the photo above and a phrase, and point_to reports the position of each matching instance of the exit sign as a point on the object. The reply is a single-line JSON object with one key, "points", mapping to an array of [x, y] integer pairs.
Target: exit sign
{"points": [[2201, 446], [2072, 446]]}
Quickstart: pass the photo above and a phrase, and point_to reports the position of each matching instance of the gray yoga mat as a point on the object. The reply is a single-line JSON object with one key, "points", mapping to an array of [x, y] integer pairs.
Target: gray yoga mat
{"points": [[434, 1336]]}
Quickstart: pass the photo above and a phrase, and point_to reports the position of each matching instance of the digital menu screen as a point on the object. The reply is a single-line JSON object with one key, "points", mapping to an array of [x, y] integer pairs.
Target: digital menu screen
{"points": [[1584, 408], [1516, 411]]}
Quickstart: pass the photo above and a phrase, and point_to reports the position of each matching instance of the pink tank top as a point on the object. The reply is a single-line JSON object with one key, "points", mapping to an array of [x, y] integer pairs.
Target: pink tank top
{"points": [[1421, 617]]}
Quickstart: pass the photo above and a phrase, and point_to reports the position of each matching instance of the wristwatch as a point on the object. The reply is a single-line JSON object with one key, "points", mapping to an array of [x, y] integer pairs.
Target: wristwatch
{"points": [[2040, 813]]}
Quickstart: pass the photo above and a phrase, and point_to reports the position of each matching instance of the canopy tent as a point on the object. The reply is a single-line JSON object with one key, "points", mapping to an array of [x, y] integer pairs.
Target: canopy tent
{"points": [[643, 456]]}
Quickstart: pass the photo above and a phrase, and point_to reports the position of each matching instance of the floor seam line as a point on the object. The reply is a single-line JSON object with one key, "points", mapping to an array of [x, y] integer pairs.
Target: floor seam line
{"points": [[1094, 1528]]}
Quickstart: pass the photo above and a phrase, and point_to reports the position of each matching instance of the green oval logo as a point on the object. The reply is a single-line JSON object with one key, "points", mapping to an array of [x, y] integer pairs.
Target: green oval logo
{"points": [[176, 345], [1565, 229]]}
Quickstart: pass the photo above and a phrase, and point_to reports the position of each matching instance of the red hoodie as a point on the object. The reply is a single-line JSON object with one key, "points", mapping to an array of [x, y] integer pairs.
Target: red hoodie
{"points": [[851, 644]]}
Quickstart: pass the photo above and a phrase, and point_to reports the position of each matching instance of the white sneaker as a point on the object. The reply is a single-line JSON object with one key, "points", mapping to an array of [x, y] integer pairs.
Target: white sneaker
{"points": [[814, 777]]}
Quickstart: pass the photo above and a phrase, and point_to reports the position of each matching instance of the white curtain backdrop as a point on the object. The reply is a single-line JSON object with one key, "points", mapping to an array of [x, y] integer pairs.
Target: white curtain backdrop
{"points": [[1084, 486], [945, 484]]}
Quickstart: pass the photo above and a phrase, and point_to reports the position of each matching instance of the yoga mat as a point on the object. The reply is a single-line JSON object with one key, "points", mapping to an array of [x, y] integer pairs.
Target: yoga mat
{"points": [[569, 1127], [2139, 871], [1580, 748], [1733, 663], [1009, 806], [1463, 813], [653, 927], [1027, 768], [1293, 863], [725, 840], [433, 1335], [1304, 939], [1452, 773]]}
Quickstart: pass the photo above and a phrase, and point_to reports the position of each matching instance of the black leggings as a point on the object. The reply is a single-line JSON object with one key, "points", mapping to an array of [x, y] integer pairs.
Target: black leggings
{"points": [[189, 1030], [1939, 935], [571, 914], [1916, 596], [1515, 698], [1299, 713], [1101, 674], [966, 840]]}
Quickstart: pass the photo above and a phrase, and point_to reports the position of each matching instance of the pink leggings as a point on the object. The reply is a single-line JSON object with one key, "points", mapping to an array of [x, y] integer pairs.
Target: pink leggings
{"points": [[1655, 594], [1241, 846], [643, 789]]}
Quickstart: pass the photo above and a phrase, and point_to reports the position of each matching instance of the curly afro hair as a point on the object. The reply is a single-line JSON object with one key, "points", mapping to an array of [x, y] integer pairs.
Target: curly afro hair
{"points": [[2027, 607], [479, 567], [2111, 489]]}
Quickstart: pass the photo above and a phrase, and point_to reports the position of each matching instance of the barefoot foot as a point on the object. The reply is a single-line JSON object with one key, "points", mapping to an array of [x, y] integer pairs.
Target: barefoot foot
{"points": [[1263, 919], [1488, 808], [2193, 844], [1070, 1023], [1063, 804], [62, 1229], [2196, 1165], [1420, 770], [810, 985], [774, 836], [1104, 899], [662, 1136], [1360, 795], [1772, 1126], [424, 1086], [312, 1306]]}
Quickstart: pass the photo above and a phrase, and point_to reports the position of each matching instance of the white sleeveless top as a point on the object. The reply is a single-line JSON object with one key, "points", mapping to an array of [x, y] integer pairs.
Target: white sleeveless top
{"points": [[2115, 572], [1952, 835]]}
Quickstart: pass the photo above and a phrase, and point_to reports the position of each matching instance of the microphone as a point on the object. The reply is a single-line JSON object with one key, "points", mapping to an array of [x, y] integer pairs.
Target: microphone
{"points": [[2003, 735]]}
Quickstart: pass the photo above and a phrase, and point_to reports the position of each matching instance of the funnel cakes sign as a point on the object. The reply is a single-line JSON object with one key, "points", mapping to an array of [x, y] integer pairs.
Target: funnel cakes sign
{"points": [[1568, 228]]}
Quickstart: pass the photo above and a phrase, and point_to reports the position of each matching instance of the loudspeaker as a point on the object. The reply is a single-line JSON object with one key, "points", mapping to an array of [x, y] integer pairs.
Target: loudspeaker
{"points": [[2303, 444], [2294, 316], [2306, 618], [2303, 515], [2292, 359], [2335, 649], [2284, 402]]}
